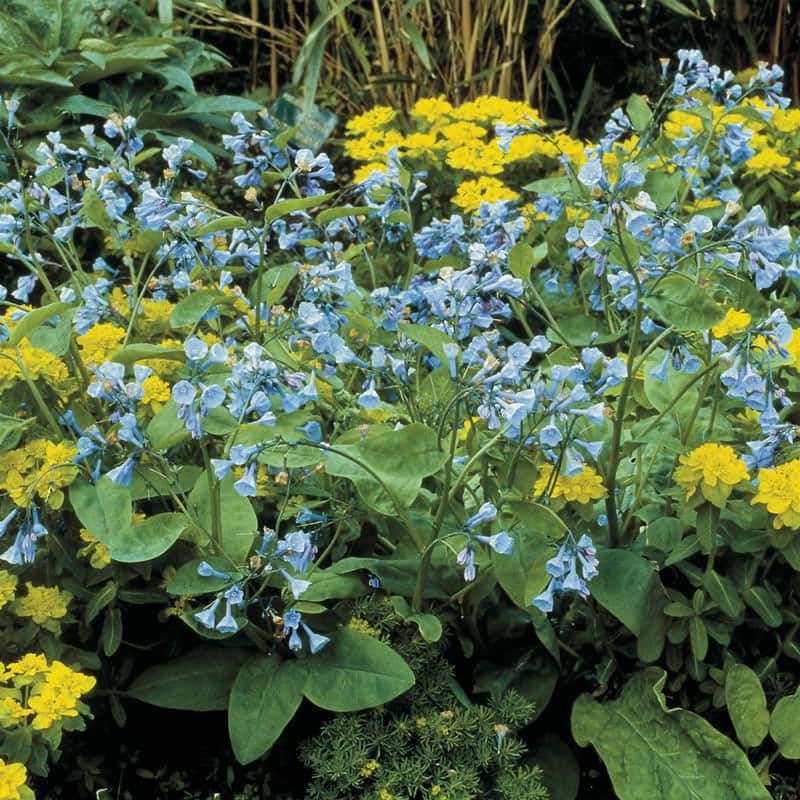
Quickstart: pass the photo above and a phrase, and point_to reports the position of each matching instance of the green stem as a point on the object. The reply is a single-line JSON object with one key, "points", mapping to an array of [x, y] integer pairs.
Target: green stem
{"points": [[213, 494]]}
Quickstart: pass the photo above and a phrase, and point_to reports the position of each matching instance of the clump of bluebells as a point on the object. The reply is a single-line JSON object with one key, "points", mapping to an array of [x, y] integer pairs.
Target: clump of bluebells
{"points": [[255, 419]]}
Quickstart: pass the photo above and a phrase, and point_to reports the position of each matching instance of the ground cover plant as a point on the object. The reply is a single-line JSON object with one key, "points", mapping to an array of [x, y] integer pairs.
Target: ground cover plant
{"points": [[470, 486]]}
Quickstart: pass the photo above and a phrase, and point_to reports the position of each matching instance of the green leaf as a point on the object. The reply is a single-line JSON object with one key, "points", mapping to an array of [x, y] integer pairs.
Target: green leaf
{"points": [[284, 207], [132, 353], [521, 573], [723, 592], [628, 586], [265, 696], [228, 223], [679, 8], [396, 461], [190, 309], [521, 260], [188, 582], [100, 600], [34, 319], [638, 112], [112, 632], [747, 705], [355, 671], [95, 212], [103, 508], [654, 752], [198, 681], [698, 638], [430, 338], [783, 727], [239, 521], [680, 302], [11, 430], [165, 430], [146, 540], [760, 600], [606, 20], [274, 283], [429, 625]]}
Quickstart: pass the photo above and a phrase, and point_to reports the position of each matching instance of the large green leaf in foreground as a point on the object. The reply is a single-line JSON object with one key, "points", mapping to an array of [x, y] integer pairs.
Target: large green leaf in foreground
{"points": [[657, 753]]}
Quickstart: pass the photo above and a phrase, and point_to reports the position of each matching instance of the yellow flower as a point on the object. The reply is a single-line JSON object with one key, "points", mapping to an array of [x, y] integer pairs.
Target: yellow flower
{"points": [[12, 781], [362, 626], [365, 170], [735, 322], [431, 109], [50, 705], [29, 667], [11, 711], [786, 121], [100, 342], [714, 468], [793, 347], [477, 157], [766, 162], [155, 316], [44, 605], [369, 768], [156, 392], [471, 194], [68, 681], [584, 487], [376, 117], [99, 555], [8, 586], [41, 466], [779, 491]]}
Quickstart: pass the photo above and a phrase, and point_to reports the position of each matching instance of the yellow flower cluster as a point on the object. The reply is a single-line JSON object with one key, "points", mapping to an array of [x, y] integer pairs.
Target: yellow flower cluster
{"points": [[37, 364], [40, 468], [98, 554], [583, 488], [713, 468], [735, 321], [45, 605], [12, 781], [459, 137], [779, 492], [8, 587], [100, 343], [41, 694]]}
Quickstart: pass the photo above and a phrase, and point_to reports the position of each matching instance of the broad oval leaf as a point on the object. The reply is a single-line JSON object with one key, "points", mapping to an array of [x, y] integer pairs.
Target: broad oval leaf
{"points": [[783, 726], [658, 753], [265, 696], [355, 671], [747, 705], [198, 681]]}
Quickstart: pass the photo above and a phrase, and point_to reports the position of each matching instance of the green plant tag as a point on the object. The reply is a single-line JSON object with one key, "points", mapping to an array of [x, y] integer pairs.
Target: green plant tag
{"points": [[311, 129]]}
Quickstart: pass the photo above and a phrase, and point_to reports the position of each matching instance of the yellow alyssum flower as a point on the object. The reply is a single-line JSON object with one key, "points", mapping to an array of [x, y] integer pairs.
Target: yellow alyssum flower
{"points": [[156, 393], [365, 170], [431, 109], [583, 488], [155, 316], [8, 587], [98, 554], [785, 120], [793, 347], [360, 625], [11, 712], [99, 343], [29, 666], [376, 117], [41, 467], [12, 781], [477, 157], [713, 468], [766, 162], [471, 194], [39, 364], [779, 491], [57, 697], [45, 605], [735, 322]]}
